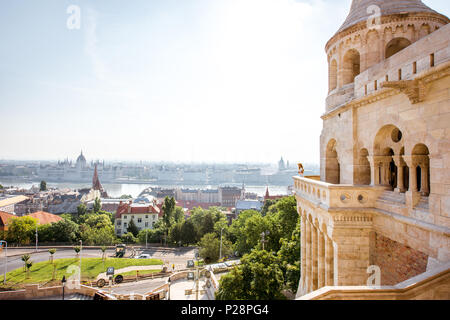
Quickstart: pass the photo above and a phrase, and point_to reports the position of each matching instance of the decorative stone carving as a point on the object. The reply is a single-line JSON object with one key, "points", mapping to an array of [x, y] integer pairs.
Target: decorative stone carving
{"points": [[414, 89]]}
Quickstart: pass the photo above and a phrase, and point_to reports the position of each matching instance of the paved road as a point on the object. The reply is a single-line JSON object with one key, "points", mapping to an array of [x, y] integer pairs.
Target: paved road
{"points": [[141, 287], [178, 257]]}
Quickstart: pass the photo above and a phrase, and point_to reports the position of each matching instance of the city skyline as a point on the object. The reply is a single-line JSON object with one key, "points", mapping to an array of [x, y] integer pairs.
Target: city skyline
{"points": [[193, 81]]}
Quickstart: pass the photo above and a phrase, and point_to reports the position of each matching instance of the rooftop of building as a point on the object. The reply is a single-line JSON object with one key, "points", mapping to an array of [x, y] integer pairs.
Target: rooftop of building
{"points": [[5, 217], [12, 200], [45, 217], [363, 10]]}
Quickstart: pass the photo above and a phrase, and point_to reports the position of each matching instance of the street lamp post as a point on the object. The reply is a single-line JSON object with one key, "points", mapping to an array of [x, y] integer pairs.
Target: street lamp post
{"points": [[6, 259], [220, 253], [146, 235], [81, 250], [169, 281], [36, 238], [63, 285]]}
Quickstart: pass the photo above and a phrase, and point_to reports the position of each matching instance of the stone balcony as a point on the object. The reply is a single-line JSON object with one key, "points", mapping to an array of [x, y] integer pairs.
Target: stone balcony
{"points": [[329, 196]]}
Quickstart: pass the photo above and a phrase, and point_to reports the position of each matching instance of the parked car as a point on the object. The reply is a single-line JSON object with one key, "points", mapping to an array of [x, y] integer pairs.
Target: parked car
{"points": [[143, 256]]}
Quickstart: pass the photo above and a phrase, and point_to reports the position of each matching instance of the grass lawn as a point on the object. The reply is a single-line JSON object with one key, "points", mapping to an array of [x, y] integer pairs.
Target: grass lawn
{"points": [[91, 267]]}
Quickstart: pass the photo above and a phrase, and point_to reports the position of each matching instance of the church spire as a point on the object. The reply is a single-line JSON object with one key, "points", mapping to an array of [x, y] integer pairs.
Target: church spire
{"points": [[96, 185]]}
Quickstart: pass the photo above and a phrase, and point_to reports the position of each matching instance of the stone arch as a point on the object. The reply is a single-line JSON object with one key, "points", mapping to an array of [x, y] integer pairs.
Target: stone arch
{"points": [[387, 144], [351, 66], [363, 174], [396, 45], [332, 75], [389, 136], [373, 55], [332, 167], [421, 162]]}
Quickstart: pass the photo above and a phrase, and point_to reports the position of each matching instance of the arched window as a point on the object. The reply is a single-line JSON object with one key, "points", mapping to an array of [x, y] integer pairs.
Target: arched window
{"points": [[333, 75], [332, 171], [396, 45], [351, 66]]}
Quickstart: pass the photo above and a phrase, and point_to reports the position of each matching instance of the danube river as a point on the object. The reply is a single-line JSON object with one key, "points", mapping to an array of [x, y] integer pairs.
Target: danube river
{"points": [[116, 190]]}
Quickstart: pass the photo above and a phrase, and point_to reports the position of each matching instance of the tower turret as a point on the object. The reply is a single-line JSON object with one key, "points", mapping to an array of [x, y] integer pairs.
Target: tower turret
{"points": [[374, 31]]}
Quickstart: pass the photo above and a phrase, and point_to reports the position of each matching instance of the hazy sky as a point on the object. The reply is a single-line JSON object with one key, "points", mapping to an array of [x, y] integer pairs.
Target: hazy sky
{"points": [[175, 80]]}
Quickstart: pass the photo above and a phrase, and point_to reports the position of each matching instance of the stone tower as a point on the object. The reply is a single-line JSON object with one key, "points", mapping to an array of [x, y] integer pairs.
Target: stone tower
{"points": [[383, 198]]}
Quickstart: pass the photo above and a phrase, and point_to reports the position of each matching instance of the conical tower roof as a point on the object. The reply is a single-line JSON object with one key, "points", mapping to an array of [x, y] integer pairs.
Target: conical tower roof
{"points": [[359, 10]]}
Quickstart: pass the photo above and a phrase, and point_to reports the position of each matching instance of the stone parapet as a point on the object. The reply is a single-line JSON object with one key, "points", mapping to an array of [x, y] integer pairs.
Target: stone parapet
{"points": [[330, 196], [431, 285]]}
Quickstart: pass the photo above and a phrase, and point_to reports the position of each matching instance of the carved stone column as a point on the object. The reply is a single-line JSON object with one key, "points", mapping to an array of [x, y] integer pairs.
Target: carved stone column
{"points": [[321, 258], [314, 257], [400, 164], [374, 170], [303, 253], [308, 264], [329, 262], [424, 190], [412, 195], [412, 164]]}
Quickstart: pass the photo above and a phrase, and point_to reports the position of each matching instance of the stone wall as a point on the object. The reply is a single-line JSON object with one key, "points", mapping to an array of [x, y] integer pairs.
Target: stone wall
{"points": [[34, 291], [431, 285], [397, 261]]}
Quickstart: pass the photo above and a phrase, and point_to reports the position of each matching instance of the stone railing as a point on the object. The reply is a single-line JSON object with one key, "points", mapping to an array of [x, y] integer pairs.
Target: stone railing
{"points": [[33, 291], [336, 196], [431, 285]]}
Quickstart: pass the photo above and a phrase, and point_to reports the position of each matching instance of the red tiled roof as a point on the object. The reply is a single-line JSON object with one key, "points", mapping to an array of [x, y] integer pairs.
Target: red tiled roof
{"points": [[123, 209], [5, 217], [45, 217]]}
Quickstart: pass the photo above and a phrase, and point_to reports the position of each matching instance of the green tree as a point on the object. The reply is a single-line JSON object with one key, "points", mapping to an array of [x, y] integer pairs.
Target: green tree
{"points": [[132, 227], [188, 233], [25, 258], [97, 205], [258, 277], [43, 186], [267, 204], [247, 229], [1, 187], [77, 250], [97, 230], [62, 231], [21, 230], [238, 224], [175, 233], [178, 214], [129, 238], [168, 208], [152, 235], [81, 210], [126, 196], [103, 253], [285, 210], [52, 252], [210, 248], [28, 265]]}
